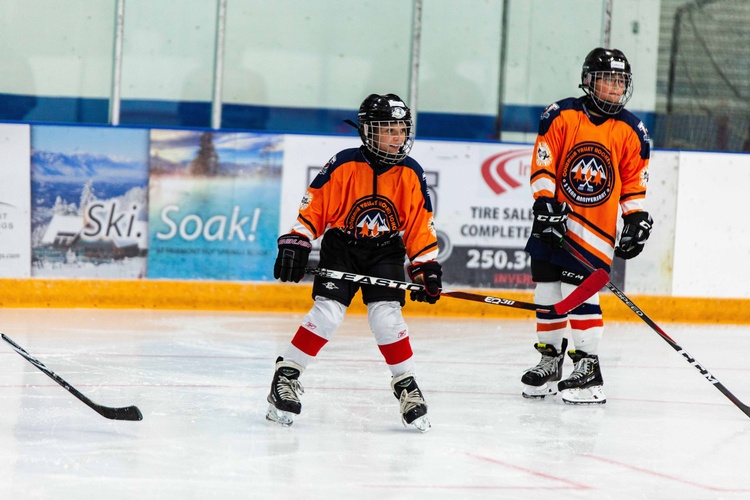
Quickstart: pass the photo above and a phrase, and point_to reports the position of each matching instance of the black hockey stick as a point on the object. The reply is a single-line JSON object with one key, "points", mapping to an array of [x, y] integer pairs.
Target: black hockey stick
{"points": [[690, 359], [589, 287], [126, 413]]}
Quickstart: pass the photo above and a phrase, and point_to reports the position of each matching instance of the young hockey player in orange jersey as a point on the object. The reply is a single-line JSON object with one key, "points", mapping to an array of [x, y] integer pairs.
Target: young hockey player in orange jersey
{"points": [[372, 208], [590, 160]]}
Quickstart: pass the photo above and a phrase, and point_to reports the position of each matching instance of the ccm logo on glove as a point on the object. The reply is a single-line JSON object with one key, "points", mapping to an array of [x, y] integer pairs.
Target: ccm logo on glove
{"points": [[550, 218]]}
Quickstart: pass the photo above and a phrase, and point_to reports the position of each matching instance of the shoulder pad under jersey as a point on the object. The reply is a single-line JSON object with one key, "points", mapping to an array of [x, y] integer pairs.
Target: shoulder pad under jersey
{"points": [[639, 128], [340, 158], [553, 111]]}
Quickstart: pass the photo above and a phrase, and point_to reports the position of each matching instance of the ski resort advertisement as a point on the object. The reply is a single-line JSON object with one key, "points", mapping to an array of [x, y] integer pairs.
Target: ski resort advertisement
{"points": [[15, 218], [89, 204], [214, 204]]}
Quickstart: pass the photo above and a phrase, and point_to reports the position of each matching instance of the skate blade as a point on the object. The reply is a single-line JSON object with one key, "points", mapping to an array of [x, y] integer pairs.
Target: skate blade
{"points": [[532, 392], [281, 417], [422, 424], [588, 396]]}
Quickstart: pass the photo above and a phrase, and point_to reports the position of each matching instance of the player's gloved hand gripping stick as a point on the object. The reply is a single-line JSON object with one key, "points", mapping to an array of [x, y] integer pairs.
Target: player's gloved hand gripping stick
{"points": [[589, 287]]}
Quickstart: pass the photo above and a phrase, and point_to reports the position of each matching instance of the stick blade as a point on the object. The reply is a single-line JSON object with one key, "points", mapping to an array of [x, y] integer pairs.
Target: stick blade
{"points": [[595, 282], [131, 413]]}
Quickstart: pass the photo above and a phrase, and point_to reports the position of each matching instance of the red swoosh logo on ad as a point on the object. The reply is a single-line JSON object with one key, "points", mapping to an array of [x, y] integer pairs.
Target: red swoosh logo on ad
{"points": [[494, 170]]}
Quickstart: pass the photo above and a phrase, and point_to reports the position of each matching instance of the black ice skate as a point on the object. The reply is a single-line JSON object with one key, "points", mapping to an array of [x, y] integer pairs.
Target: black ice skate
{"points": [[413, 406], [584, 385], [541, 380], [285, 391]]}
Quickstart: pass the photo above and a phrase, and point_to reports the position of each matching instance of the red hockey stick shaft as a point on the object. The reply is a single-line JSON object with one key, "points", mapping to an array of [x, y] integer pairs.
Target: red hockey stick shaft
{"points": [[589, 287], [690, 359]]}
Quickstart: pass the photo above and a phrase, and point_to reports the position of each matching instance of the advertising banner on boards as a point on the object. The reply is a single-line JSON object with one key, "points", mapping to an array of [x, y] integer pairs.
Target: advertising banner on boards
{"points": [[482, 203], [15, 217], [214, 204], [89, 202]]}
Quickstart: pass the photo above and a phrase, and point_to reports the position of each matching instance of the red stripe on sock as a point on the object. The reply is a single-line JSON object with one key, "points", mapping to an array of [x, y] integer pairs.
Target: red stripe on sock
{"points": [[396, 353], [585, 324], [307, 342], [549, 327]]}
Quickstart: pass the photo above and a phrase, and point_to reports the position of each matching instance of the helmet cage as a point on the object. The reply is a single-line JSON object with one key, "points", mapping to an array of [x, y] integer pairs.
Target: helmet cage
{"points": [[379, 115], [589, 83], [606, 64], [371, 131]]}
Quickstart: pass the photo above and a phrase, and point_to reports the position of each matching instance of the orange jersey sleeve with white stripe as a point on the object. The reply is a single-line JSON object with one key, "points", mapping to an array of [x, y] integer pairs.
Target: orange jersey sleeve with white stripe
{"points": [[596, 165], [366, 203]]}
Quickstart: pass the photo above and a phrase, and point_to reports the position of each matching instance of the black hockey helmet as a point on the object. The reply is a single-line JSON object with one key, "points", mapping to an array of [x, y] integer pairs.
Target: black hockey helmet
{"points": [[606, 63], [377, 112]]}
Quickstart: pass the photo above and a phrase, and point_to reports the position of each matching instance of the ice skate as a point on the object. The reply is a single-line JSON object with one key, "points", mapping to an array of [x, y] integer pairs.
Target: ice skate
{"points": [[285, 391], [541, 380], [584, 385], [412, 404]]}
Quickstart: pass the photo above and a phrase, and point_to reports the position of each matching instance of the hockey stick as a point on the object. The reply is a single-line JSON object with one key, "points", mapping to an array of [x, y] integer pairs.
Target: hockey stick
{"points": [[126, 413], [589, 287], [690, 359]]}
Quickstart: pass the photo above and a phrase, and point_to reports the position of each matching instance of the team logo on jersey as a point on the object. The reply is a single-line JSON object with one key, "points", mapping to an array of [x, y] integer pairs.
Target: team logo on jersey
{"points": [[306, 200], [323, 171], [644, 131], [552, 107], [371, 217], [588, 176], [644, 177], [543, 155]]}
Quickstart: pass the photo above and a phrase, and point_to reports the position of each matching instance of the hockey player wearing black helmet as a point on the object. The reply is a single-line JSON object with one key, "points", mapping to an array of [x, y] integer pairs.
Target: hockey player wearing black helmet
{"points": [[590, 162], [606, 79], [385, 126], [372, 208]]}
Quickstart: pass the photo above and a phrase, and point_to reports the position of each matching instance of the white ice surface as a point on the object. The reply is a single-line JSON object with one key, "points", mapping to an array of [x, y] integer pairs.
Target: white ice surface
{"points": [[201, 380]]}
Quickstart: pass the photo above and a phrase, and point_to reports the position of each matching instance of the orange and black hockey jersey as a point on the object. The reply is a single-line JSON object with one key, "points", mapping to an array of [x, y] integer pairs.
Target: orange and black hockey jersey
{"points": [[371, 203], [597, 165]]}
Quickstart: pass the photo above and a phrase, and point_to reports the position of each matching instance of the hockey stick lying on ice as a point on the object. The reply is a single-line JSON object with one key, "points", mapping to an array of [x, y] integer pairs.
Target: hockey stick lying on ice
{"points": [[690, 359], [126, 413], [589, 287]]}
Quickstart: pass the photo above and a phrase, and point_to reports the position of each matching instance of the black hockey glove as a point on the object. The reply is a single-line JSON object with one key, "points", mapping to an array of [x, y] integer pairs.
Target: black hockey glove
{"points": [[635, 232], [427, 274], [292, 258], [550, 217]]}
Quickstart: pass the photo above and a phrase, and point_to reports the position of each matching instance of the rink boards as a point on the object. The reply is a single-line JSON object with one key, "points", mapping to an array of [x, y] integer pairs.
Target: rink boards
{"points": [[276, 297]]}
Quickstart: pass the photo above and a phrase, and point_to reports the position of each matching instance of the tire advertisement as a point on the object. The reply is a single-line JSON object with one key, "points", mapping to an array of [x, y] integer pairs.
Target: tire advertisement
{"points": [[482, 202]]}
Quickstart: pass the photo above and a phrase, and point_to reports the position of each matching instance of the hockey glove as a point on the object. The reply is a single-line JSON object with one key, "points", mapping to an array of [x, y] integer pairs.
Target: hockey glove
{"points": [[292, 257], [427, 274], [635, 232], [550, 217]]}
